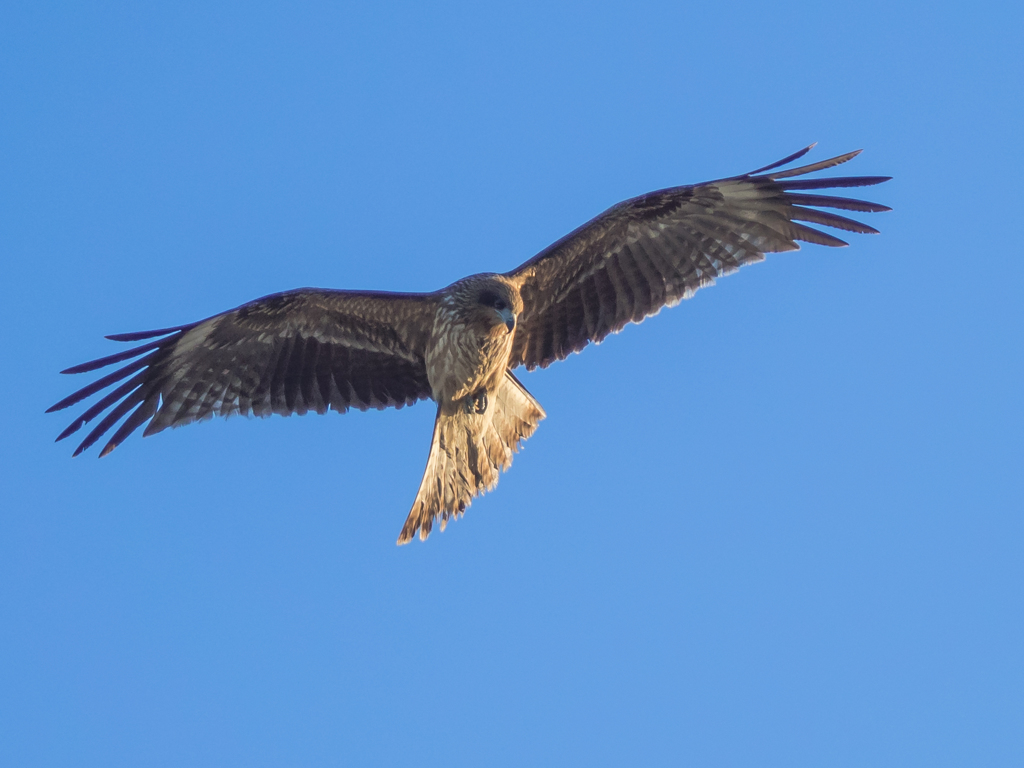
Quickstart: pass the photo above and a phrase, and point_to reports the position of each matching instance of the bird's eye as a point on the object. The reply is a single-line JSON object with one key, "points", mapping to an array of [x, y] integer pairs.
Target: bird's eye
{"points": [[491, 299]]}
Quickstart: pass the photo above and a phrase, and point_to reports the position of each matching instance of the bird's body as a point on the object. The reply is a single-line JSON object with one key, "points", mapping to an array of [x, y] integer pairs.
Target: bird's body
{"points": [[471, 341], [313, 349]]}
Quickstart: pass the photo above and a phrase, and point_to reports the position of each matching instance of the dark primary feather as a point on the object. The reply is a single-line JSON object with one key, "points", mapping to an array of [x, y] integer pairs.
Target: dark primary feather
{"points": [[656, 249], [140, 335], [287, 353]]}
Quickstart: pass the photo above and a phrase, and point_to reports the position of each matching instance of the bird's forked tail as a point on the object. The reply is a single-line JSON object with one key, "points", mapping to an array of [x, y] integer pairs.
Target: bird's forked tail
{"points": [[467, 451]]}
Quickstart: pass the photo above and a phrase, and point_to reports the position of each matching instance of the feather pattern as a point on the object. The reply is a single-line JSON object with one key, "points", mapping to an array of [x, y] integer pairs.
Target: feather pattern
{"points": [[468, 452], [657, 249], [287, 353]]}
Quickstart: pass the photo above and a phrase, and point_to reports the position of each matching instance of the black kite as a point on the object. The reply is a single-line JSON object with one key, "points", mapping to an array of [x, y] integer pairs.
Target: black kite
{"points": [[313, 349]]}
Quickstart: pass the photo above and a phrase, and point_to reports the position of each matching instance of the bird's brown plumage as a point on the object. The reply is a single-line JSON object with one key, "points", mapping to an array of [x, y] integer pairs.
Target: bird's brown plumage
{"points": [[314, 349]]}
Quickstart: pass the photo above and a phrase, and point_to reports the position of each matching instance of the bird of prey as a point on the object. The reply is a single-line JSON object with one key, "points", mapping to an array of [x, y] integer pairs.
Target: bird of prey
{"points": [[318, 350]]}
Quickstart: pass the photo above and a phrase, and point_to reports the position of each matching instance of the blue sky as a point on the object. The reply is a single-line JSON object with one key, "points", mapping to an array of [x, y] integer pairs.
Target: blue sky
{"points": [[780, 524]]}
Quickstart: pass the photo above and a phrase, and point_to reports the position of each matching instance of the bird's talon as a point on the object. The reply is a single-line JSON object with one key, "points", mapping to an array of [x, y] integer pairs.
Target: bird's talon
{"points": [[477, 403]]}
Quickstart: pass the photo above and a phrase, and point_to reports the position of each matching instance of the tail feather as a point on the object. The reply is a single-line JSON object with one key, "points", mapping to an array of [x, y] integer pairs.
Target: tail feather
{"points": [[468, 452]]}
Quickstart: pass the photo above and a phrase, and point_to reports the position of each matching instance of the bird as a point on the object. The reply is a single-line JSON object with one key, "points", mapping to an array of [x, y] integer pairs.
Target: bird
{"points": [[316, 350]]}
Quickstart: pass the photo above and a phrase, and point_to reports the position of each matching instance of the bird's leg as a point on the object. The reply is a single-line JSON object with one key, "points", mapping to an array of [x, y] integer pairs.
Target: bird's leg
{"points": [[477, 403]]}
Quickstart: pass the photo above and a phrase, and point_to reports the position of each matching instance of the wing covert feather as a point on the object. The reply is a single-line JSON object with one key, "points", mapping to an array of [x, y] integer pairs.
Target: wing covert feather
{"points": [[657, 249]]}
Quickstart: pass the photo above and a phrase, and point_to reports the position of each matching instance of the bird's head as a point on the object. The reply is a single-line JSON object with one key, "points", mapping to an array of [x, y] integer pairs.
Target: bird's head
{"points": [[494, 302]]}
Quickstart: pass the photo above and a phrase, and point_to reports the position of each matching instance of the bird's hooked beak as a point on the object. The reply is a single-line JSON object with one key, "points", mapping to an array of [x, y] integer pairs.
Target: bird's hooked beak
{"points": [[508, 317]]}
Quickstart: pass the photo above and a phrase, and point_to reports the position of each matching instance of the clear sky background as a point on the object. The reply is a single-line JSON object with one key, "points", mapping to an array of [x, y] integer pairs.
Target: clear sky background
{"points": [[781, 524]]}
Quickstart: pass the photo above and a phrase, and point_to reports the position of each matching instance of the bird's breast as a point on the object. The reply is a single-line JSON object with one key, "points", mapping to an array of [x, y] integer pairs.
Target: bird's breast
{"points": [[462, 359]]}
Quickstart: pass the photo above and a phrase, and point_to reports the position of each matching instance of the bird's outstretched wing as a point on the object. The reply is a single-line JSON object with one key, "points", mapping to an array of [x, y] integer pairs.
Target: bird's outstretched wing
{"points": [[656, 249], [287, 353]]}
